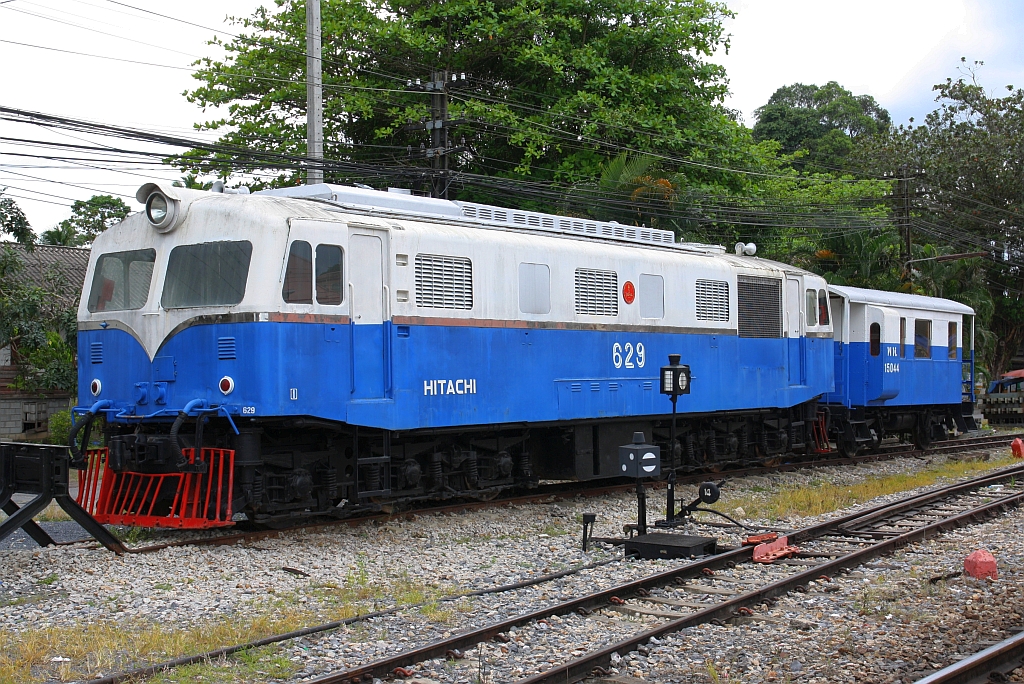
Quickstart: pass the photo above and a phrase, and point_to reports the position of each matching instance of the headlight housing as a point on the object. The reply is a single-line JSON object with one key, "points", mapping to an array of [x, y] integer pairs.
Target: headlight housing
{"points": [[161, 210]]}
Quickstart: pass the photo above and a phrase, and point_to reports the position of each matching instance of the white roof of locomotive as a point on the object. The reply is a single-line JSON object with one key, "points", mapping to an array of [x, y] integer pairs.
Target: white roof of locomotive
{"points": [[402, 205], [901, 299]]}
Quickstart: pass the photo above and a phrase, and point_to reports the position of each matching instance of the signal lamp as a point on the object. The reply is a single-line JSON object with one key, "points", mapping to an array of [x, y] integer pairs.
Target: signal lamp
{"points": [[226, 385], [96, 387]]}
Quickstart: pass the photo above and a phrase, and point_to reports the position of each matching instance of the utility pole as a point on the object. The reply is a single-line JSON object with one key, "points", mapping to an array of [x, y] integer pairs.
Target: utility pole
{"points": [[439, 134], [903, 189], [438, 125], [314, 96]]}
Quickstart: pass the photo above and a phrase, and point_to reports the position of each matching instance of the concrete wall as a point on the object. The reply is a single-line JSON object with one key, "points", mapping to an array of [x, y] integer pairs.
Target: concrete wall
{"points": [[13, 412]]}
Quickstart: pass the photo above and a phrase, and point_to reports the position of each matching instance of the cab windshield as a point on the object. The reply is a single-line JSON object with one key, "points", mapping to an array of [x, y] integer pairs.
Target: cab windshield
{"points": [[121, 281], [208, 274]]}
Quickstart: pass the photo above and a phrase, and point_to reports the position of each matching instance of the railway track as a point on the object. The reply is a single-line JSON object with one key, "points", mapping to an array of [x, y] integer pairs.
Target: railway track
{"points": [[561, 491], [715, 588], [723, 587], [990, 665]]}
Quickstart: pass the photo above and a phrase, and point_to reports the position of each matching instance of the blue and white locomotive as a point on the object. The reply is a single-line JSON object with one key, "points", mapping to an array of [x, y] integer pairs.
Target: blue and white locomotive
{"points": [[334, 345]]}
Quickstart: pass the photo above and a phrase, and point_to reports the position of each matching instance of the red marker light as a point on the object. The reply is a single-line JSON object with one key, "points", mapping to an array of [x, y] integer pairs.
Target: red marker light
{"points": [[96, 387], [628, 292], [227, 385]]}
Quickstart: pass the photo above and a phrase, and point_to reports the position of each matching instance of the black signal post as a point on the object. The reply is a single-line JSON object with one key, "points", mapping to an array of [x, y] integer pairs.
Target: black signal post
{"points": [[675, 380]]}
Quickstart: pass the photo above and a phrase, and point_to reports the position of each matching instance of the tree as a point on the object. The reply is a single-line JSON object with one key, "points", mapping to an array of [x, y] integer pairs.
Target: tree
{"points": [[88, 219], [965, 167], [822, 123], [552, 90], [13, 221], [39, 324]]}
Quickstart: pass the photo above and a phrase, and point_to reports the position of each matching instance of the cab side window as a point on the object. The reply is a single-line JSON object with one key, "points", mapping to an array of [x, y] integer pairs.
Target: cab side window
{"points": [[952, 340], [298, 278], [811, 305], [823, 317], [329, 274], [875, 336], [299, 274]]}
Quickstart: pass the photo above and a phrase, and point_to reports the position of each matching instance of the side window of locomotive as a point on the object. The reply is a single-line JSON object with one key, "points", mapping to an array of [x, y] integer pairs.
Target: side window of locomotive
{"points": [[298, 277], [534, 288], [121, 281], [952, 340], [875, 335], [207, 274], [823, 317], [652, 296], [903, 338], [811, 305], [922, 339], [328, 274]]}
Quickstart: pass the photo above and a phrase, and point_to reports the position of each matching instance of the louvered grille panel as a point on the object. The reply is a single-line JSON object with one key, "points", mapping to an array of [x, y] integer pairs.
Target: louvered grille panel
{"points": [[96, 352], [597, 292], [444, 282], [712, 300], [760, 306], [225, 348]]}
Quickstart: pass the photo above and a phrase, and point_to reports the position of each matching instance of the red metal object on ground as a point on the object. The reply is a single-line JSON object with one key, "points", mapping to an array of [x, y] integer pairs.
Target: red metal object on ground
{"points": [[181, 500], [773, 551], [755, 539], [981, 564], [1017, 447]]}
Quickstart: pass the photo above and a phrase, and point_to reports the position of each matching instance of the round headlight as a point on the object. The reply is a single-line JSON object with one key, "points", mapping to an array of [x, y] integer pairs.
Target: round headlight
{"points": [[156, 208]]}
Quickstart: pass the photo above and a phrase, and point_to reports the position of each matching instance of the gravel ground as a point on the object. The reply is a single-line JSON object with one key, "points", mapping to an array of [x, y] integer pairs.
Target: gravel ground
{"points": [[373, 566]]}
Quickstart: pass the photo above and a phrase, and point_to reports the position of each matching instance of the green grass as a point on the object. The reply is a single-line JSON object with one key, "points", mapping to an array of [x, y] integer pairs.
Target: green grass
{"points": [[825, 497]]}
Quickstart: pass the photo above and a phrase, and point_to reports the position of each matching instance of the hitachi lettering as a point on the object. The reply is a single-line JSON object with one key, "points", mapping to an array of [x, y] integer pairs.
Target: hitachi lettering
{"points": [[432, 388]]}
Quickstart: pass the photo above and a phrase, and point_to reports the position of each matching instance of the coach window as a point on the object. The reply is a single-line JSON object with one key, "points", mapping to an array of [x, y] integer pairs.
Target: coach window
{"points": [[922, 339], [328, 274], [876, 339], [903, 338], [952, 340], [652, 296], [298, 279], [534, 288], [811, 305], [823, 317]]}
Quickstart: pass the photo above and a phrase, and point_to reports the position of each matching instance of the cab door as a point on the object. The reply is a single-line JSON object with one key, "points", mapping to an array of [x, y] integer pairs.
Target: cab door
{"points": [[795, 346], [370, 318]]}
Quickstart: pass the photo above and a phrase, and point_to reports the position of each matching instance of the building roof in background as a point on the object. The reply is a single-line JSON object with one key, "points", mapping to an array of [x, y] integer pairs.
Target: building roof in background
{"points": [[74, 261]]}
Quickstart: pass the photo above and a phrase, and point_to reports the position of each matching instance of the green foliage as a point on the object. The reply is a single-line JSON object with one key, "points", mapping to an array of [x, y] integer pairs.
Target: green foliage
{"points": [[39, 323], [88, 219], [59, 427], [553, 88], [823, 121], [966, 166], [13, 221]]}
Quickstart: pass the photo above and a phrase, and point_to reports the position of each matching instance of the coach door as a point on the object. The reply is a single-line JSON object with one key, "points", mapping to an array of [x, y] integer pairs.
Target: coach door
{"points": [[883, 361], [368, 294], [795, 341]]}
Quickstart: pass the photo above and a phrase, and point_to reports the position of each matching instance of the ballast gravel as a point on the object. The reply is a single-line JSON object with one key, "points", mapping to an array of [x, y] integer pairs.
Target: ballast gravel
{"points": [[369, 567]]}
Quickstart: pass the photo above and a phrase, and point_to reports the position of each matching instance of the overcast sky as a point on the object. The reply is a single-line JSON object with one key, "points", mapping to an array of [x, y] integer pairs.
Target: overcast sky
{"points": [[894, 50]]}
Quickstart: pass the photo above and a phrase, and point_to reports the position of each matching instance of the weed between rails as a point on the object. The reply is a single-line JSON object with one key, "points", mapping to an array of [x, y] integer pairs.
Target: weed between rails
{"points": [[825, 497]]}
